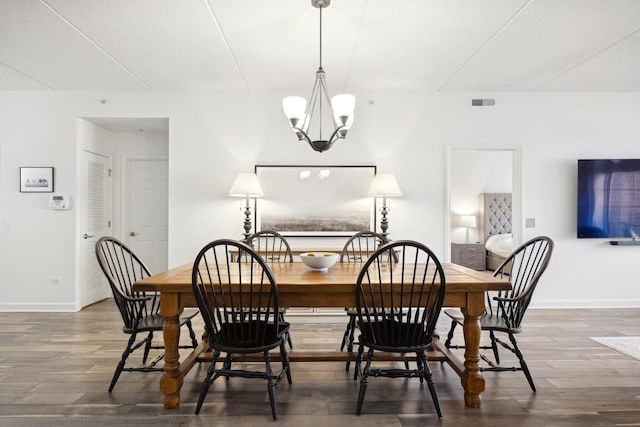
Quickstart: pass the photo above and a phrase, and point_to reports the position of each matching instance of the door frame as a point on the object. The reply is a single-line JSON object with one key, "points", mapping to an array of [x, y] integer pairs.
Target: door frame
{"points": [[516, 190]]}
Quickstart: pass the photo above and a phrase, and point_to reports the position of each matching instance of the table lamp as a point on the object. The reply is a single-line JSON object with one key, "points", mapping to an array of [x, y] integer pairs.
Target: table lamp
{"points": [[246, 185], [384, 185], [468, 221]]}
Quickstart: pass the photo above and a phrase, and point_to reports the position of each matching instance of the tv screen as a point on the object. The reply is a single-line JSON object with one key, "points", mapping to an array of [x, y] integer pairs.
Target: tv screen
{"points": [[609, 198]]}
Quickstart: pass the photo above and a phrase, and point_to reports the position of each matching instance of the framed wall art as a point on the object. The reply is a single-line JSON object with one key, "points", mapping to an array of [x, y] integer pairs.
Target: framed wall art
{"points": [[36, 180], [310, 201]]}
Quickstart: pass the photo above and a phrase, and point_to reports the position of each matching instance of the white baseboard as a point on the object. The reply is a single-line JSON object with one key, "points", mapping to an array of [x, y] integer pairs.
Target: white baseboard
{"points": [[577, 303], [38, 307]]}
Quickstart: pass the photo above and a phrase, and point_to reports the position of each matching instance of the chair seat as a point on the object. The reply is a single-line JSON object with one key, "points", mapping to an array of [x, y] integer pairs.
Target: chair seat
{"points": [[248, 337], [393, 336], [154, 322], [488, 322]]}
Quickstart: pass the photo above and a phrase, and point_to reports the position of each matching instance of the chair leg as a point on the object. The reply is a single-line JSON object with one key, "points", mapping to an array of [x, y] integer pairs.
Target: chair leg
{"points": [[347, 331], [349, 338], [286, 366], [447, 343], [147, 347], [192, 334], [358, 368], [494, 347], [419, 363], [289, 341], [271, 386], [207, 381], [351, 329], [226, 365], [523, 364], [428, 376], [123, 359], [364, 381]]}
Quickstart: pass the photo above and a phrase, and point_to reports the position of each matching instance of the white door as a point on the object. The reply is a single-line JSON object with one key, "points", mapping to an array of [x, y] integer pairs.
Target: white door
{"points": [[146, 211], [95, 218]]}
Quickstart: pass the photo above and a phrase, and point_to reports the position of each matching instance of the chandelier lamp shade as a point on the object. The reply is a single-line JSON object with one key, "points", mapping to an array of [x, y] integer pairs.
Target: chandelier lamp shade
{"points": [[247, 186], [301, 113]]}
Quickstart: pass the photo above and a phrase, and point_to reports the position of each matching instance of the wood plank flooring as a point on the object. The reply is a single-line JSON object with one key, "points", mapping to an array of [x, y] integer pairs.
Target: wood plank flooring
{"points": [[55, 369]]}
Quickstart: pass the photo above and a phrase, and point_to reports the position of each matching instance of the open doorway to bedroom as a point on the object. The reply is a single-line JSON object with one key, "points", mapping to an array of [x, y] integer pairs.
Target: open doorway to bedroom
{"points": [[474, 173]]}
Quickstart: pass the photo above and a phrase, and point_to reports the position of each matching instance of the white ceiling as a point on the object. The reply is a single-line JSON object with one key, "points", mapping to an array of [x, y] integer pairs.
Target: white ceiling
{"points": [[369, 45]]}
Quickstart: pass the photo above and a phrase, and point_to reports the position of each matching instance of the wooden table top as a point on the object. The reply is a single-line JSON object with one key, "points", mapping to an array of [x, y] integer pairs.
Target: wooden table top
{"points": [[297, 277]]}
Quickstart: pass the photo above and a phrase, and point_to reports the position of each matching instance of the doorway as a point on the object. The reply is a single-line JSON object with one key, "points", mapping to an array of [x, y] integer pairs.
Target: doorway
{"points": [[472, 171], [145, 140]]}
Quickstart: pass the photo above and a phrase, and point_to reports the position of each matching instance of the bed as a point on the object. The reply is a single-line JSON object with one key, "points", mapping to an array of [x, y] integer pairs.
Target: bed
{"points": [[495, 227]]}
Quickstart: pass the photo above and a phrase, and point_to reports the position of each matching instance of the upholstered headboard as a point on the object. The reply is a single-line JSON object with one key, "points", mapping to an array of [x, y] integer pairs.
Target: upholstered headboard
{"points": [[495, 214]]}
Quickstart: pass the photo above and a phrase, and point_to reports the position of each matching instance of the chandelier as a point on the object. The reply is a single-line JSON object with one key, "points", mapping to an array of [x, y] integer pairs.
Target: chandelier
{"points": [[300, 114]]}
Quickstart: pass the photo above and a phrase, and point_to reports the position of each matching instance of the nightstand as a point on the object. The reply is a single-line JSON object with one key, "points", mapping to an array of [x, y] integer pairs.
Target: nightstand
{"points": [[471, 255]]}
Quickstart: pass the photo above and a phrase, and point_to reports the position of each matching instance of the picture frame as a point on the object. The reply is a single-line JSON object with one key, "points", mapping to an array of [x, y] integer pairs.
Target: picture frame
{"points": [[36, 180], [315, 200]]}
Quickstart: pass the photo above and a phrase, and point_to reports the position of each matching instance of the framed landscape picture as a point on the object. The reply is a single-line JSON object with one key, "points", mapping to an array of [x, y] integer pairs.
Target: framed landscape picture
{"points": [[36, 180], [305, 201]]}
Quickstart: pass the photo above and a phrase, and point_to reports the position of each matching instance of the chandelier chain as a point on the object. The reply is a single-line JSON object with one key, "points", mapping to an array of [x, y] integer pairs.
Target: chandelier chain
{"points": [[320, 38]]}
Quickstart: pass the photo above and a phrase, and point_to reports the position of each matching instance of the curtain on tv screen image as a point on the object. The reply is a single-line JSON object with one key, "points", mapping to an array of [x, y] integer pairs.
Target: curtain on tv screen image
{"points": [[609, 198]]}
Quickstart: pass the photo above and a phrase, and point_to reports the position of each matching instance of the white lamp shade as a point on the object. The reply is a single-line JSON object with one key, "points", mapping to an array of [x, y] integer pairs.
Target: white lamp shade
{"points": [[294, 106], [343, 104], [384, 184], [246, 185], [468, 221]]}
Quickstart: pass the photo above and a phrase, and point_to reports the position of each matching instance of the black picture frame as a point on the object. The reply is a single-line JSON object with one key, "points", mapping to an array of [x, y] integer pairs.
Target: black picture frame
{"points": [[315, 200], [36, 179]]}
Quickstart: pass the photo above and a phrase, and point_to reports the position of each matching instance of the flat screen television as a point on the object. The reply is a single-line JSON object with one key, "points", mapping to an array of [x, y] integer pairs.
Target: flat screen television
{"points": [[609, 198]]}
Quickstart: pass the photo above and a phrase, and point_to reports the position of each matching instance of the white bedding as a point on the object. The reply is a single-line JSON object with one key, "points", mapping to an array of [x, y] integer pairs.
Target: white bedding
{"points": [[500, 244]]}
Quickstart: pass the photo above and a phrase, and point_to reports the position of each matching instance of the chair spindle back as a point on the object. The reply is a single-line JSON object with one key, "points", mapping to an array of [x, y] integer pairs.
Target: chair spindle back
{"points": [[523, 268], [123, 268], [399, 293], [243, 293]]}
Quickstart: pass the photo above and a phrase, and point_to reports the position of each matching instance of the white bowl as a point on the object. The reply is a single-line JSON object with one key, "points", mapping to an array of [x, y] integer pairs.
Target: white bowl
{"points": [[319, 261]]}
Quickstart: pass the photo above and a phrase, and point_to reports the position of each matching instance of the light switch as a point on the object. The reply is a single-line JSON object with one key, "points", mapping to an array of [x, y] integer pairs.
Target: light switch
{"points": [[530, 223]]}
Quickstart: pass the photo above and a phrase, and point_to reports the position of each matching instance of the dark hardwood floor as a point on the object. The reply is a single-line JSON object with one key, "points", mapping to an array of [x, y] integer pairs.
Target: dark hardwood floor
{"points": [[55, 369]]}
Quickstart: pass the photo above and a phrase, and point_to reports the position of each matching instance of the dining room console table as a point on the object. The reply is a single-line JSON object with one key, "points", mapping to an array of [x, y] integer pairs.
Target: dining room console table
{"points": [[299, 286]]}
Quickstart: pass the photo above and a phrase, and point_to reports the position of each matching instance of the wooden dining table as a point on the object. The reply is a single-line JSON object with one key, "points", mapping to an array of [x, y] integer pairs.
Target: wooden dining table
{"points": [[299, 286]]}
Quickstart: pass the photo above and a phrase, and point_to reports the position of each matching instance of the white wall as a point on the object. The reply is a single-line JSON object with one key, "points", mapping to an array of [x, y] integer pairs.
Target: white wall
{"points": [[213, 136]]}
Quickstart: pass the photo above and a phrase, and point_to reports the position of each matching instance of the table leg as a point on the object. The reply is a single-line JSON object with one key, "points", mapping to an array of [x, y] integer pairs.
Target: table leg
{"points": [[472, 379], [172, 378]]}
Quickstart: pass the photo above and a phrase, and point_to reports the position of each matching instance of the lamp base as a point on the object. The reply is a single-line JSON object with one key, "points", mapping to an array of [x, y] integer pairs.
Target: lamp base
{"points": [[247, 221]]}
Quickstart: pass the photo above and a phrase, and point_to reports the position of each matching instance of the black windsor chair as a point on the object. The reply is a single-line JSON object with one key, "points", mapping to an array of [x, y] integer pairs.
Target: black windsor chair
{"points": [[239, 303], [399, 294], [139, 310], [505, 310]]}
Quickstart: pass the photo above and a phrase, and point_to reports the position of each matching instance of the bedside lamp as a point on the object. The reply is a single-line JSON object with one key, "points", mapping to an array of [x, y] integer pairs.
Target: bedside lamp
{"points": [[384, 185], [246, 185], [468, 221]]}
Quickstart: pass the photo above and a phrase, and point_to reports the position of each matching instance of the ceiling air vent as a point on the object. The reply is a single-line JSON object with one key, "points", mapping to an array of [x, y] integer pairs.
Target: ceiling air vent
{"points": [[483, 102]]}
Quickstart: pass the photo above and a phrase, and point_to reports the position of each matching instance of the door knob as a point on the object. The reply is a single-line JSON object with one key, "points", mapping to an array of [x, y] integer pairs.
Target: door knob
{"points": [[133, 234], [88, 236]]}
